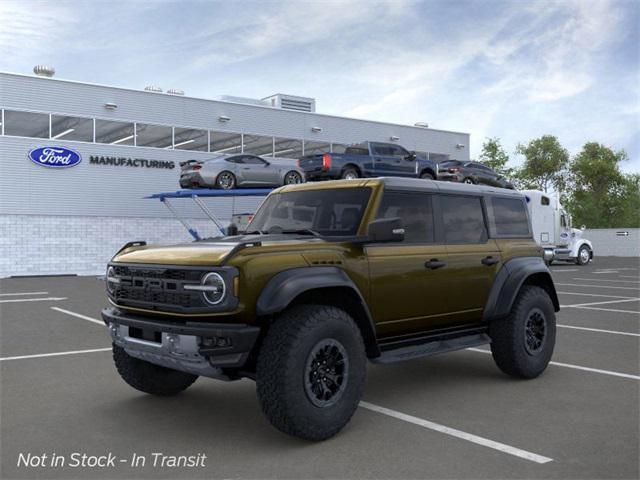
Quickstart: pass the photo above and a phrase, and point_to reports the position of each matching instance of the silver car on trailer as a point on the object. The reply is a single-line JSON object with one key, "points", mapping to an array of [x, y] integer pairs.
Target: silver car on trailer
{"points": [[239, 170]]}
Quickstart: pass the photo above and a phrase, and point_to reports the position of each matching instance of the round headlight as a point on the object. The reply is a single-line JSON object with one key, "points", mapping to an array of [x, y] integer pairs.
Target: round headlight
{"points": [[214, 288], [111, 279]]}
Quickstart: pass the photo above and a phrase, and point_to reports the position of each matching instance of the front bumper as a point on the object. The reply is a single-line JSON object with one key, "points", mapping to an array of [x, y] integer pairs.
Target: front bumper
{"points": [[199, 348], [450, 177]]}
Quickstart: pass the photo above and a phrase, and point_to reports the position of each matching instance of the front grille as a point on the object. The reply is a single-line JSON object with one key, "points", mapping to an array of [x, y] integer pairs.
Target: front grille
{"points": [[157, 288]]}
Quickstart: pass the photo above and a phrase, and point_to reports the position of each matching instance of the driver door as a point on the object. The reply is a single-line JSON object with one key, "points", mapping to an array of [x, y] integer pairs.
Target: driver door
{"points": [[255, 171]]}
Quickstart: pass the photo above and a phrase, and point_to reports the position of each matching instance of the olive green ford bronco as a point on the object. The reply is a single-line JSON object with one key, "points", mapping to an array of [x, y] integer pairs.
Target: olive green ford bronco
{"points": [[327, 276]]}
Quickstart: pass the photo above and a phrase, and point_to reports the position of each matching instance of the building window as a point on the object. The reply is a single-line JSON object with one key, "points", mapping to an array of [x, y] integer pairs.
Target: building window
{"points": [[156, 136], [287, 148], [258, 145], [26, 124], [463, 219], [71, 128], [313, 148], [225, 143], [191, 139], [114, 133]]}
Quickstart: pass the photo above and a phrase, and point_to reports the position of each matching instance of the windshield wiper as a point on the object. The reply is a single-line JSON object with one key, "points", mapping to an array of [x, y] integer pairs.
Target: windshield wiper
{"points": [[303, 231], [255, 232]]}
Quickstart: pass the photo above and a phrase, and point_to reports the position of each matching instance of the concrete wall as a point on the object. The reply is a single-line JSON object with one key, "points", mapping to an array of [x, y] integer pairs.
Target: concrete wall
{"points": [[609, 242]]}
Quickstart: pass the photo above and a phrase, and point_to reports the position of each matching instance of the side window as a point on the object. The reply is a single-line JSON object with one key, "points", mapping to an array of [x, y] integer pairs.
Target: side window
{"points": [[544, 200], [510, 217], [235, 160], [253, 160], [463, 219], [398, 151], [380, 149], [416, 213]]}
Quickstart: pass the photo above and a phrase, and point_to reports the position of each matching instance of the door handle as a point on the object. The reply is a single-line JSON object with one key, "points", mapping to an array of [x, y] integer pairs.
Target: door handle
{"points": [[488, 261], [434, 264]]}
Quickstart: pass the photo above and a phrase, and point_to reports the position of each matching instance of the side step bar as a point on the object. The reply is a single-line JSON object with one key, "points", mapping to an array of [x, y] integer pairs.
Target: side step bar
{"points": [[433, 344]]}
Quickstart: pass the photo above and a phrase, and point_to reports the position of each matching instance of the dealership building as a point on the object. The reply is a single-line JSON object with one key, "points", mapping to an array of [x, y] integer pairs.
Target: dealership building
{"points": [[128, 145]]}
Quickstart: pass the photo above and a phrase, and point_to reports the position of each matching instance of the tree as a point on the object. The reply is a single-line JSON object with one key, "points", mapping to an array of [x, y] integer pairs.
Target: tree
{"points": [[545, 164], [494, 156], [601, 195]]}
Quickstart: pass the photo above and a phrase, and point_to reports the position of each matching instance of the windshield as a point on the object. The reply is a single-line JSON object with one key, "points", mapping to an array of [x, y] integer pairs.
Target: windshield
{"points": [[328, 212]]}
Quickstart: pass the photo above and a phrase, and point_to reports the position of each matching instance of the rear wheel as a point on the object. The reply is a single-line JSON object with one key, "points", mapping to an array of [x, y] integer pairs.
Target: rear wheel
{"points": [[427, 176], [311, 371], [150, 378], [350, 173], [523, 342], [292, 178], [584, 255], [226, 180]]}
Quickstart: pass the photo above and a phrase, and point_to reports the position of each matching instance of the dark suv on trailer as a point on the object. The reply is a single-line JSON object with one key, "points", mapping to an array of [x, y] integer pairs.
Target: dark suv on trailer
{"points": [[328, 276], [472, 173]]}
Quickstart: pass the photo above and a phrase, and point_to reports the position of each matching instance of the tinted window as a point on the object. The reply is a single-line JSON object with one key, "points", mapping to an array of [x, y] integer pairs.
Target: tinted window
{"points": [[335, 212], [26, 124], [71, 128], [463, 219], [449, 164], [114, 133], [157, 136], [415, 211], [382, 149], [235, 160], [357, 151], [510, 217], [544, 200], [252, 160]]}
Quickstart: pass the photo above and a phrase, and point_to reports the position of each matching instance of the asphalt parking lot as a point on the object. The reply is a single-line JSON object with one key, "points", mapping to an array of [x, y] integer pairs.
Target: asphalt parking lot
{"points": [[448, 416]]}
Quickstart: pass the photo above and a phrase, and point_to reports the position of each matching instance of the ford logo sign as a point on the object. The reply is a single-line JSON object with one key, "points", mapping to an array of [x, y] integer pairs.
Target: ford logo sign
{"points": [[55, 157]]}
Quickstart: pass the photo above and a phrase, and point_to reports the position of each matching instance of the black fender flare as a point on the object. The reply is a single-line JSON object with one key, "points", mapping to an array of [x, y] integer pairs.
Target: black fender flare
{"points": [[510, 279], [285, 286]]}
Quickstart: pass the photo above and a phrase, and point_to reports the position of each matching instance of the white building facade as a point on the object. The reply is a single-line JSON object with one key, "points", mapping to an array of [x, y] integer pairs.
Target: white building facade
{"points": [[129, 142]]}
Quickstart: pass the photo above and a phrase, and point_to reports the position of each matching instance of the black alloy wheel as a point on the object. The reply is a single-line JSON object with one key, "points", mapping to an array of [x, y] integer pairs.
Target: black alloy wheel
{"points": [[326, 373]]}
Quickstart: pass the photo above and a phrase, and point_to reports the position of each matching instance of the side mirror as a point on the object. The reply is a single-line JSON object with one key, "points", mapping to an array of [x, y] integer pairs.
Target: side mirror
{"points": [[232, 230], [386, 230], [411, 156]]}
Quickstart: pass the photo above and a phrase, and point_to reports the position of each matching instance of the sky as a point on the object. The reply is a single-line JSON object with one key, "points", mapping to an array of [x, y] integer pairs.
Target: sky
{"points": [[514, 70]]}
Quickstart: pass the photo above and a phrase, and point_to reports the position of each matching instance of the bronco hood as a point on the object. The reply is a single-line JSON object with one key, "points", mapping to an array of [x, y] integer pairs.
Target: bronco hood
{"points": [[197, 253]]}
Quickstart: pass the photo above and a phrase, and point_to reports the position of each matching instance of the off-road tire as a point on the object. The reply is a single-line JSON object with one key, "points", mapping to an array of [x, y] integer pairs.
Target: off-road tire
{"points": [[150, 378], [232, 178], [579, 260], [350, 172], [282, 371], [427, 176], [508, 343]]}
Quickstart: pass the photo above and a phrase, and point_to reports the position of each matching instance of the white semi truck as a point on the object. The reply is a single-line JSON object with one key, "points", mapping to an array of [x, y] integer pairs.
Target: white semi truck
{"points": [[553, 231]]}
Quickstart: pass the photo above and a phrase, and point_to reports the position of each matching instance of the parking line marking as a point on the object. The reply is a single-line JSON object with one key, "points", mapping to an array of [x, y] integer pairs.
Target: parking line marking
{"points": [[569, 270], [606, 272], [592, 303], [590, 294], [610, 310], [628, 276], [604, 280], [576, 367], [599, 330], [74, 314], [56, 354], [485, 442], [23, 293], [598, 286], [48, 299]]}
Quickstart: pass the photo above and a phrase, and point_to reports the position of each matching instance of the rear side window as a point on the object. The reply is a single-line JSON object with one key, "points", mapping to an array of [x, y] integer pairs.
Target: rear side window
{"points": [[415, 211], [463, 219], [509, 217]]}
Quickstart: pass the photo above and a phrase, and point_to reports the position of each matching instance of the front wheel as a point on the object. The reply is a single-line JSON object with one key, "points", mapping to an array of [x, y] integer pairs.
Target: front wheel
{"points": [[427, 176], [584, 255], [226, 180], [523, 342], [311, 371], [469, 181], [148, 377]]}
